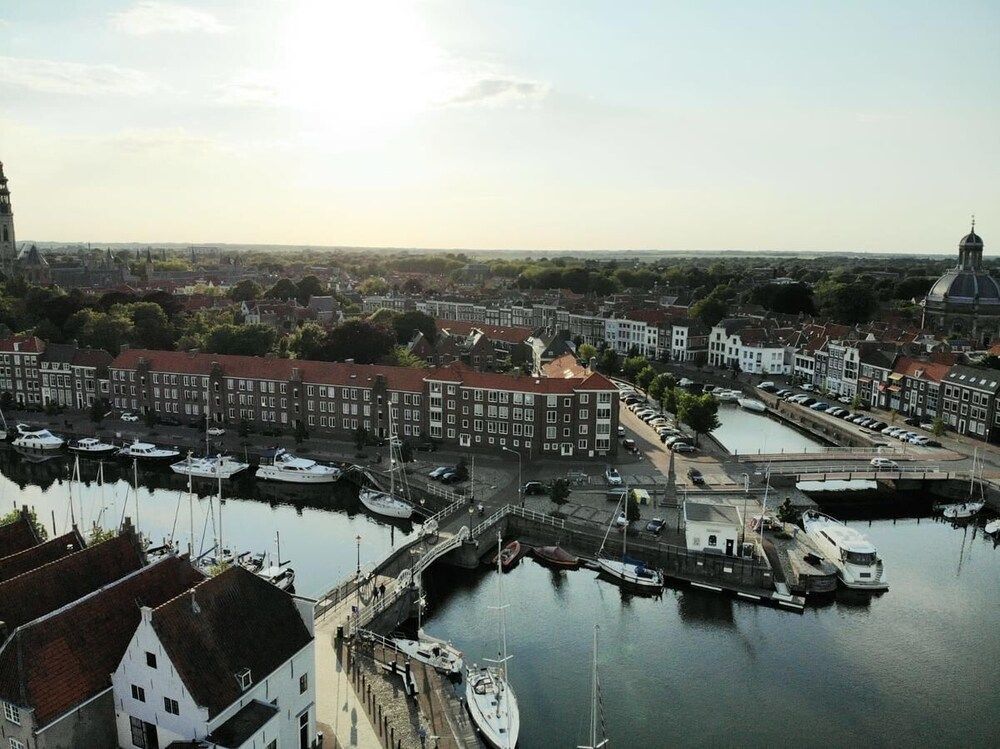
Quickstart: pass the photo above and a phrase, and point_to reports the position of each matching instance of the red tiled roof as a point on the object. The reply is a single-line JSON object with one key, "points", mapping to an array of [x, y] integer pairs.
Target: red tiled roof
{"points": [[44, 589], [36, 556], [262, 368], [59, 661], [508, 334], [31, 344], [241, 622], [461, 373], [921, 369], [16, 537], [564, 366]]}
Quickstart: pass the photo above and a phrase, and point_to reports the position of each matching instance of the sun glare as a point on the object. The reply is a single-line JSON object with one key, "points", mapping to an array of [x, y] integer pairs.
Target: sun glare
{"points": [[353, 67]]}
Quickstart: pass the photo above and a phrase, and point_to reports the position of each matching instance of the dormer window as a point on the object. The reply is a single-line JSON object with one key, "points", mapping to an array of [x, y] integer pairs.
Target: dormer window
{"points": [[243, 677]]}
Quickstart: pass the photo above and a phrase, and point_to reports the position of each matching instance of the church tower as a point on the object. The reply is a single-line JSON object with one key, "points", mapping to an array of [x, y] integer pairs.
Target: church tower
{"points": [[8, 250]]}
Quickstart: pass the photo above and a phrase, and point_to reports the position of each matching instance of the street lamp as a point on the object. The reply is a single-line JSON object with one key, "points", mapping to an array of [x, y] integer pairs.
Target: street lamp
{"points": [[520, 486], [357, 540]]}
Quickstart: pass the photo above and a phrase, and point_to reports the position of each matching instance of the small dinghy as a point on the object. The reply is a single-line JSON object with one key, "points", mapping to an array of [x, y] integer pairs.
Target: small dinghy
{"points": [[962, 510], [555, 556], [508, 555]]}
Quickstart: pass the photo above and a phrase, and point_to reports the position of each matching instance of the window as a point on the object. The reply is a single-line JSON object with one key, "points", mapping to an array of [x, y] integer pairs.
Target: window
{"points": [[12, 713], [303, 683], [138, 693], [244, 679], [713, 541], [14, 743], [151, 660], [138, 733], [171, 706]]}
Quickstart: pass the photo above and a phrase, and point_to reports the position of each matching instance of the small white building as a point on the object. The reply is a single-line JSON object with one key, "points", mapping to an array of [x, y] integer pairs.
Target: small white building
{"points": [[712, 527], [229, 663]]}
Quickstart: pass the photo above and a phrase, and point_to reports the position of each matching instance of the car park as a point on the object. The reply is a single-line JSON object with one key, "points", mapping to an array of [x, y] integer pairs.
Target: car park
{"points": [[656, 525], [695, 476], [612, 476], [884, 463]]}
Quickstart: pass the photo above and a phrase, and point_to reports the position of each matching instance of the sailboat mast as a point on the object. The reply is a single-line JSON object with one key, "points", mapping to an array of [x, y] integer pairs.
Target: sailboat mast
{"points": [[593, 695], [625, 529], [219, 543], [135, 489], [72, 477], [190, 514]]}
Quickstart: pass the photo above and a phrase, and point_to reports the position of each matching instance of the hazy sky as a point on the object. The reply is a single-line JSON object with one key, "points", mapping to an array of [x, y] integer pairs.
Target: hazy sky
{"points": [[537, 124]]}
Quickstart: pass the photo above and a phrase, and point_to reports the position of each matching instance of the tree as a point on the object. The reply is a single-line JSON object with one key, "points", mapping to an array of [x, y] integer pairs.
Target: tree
{"points": [[559, 492], [407, 323], [98, 535], [372, 286], [308, 287], [645, 377], [856, 401], [462, 469], [150, 327], [608, 362], [99, 409], [307, 340], [846, 302], [632, 513], [586, 352], [283, 289], [100, 330], [633, 365], [668, 400], [301, 433], [710, 309], [937, 426], [246, 291], [700, 412], [15, 515], [255, 339], [788, 513], [401, 356], [785, 298], [361, 340]]}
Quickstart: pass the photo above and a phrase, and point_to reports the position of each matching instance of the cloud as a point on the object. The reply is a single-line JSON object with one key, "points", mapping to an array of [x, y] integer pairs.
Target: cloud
{"points": [[58, 77], [498, 91], [153, 17]]}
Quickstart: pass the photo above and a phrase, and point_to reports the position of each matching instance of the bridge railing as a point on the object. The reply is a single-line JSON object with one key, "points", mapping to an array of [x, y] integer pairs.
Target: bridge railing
{"points": [[821, 452], [864, 471]]}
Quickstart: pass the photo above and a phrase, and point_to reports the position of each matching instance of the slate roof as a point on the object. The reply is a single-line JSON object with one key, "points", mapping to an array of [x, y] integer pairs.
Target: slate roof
{"points": [[711, 513], [245, 723], [50, 587], [59, 661], [987, 380], [227, 624], [61, 353], [16, 537], [36, 556]]}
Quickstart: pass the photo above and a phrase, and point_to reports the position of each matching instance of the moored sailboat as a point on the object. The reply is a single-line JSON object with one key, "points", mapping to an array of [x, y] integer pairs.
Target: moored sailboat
{"points": [[388, 503], [628, 571], [490, 700]]}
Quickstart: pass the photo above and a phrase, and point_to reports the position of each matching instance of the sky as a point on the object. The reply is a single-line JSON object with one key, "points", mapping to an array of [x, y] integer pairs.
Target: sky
{"points": [[536, 124]]}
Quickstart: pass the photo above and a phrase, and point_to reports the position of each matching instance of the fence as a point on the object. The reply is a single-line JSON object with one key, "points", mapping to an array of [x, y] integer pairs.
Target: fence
{"points": [[860, 452]]}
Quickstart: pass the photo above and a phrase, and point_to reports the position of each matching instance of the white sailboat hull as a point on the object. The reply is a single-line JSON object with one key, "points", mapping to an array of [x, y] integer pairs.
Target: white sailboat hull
{"points": [[493, 707], [962, 510], [751, 404], [629, 573], [441, 656], [208, 468], [276, 473], [385, 504]]}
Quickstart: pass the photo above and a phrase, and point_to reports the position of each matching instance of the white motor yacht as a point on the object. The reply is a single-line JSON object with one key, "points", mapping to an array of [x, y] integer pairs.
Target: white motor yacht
{"points": [[443, 656], [286, 467], [383, 503], [147, 451], [854, 556], [37, 439], [752, 404], [726, 396], [962, 510], [91, 446], [221, 466]]}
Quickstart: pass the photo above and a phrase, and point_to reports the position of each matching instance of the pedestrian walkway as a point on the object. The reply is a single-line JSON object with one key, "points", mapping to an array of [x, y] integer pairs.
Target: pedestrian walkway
{"points": [[340, 714]]}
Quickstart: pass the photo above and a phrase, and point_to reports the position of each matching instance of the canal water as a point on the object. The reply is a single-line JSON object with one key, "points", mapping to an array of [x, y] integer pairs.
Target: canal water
{"points": [[741, 431], [916, 666], [318, 525]]}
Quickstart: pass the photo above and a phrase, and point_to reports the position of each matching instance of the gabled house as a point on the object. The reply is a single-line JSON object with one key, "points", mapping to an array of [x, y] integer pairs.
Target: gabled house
{"points": [[43, 553], [229, 663], [969, 402], [18, 535], [55, 683]]}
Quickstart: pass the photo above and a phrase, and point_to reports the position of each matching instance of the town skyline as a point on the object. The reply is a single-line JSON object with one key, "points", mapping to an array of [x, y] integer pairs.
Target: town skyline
{"points": [[429, 125]]}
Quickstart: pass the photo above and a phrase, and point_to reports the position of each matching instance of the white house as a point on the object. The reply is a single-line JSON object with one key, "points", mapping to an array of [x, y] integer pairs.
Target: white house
{"points": [[229, 663], [712, 527]]}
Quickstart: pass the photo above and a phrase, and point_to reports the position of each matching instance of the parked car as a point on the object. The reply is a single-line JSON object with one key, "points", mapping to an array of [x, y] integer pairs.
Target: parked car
{"points": [[682, 447], [782, 393], [127, 416], [439, 472], [629, 444], [656, 525], [695, 476], [884, 463], [819, 406], [808, 387], [920, 440], [534, 487], [612, 476], [621, 431], [669, 441], [767, 386], [912, 421], [215, 431], [450, 477], [932, 443], [844, 399], [621, 521]]}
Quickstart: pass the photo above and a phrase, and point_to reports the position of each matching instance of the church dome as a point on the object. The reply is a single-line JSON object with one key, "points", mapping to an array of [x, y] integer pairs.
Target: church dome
{"points": [[968, 284]]}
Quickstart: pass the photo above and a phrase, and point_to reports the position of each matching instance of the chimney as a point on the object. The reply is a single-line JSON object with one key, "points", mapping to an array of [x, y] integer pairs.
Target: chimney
{"points": [[592, 364]]}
